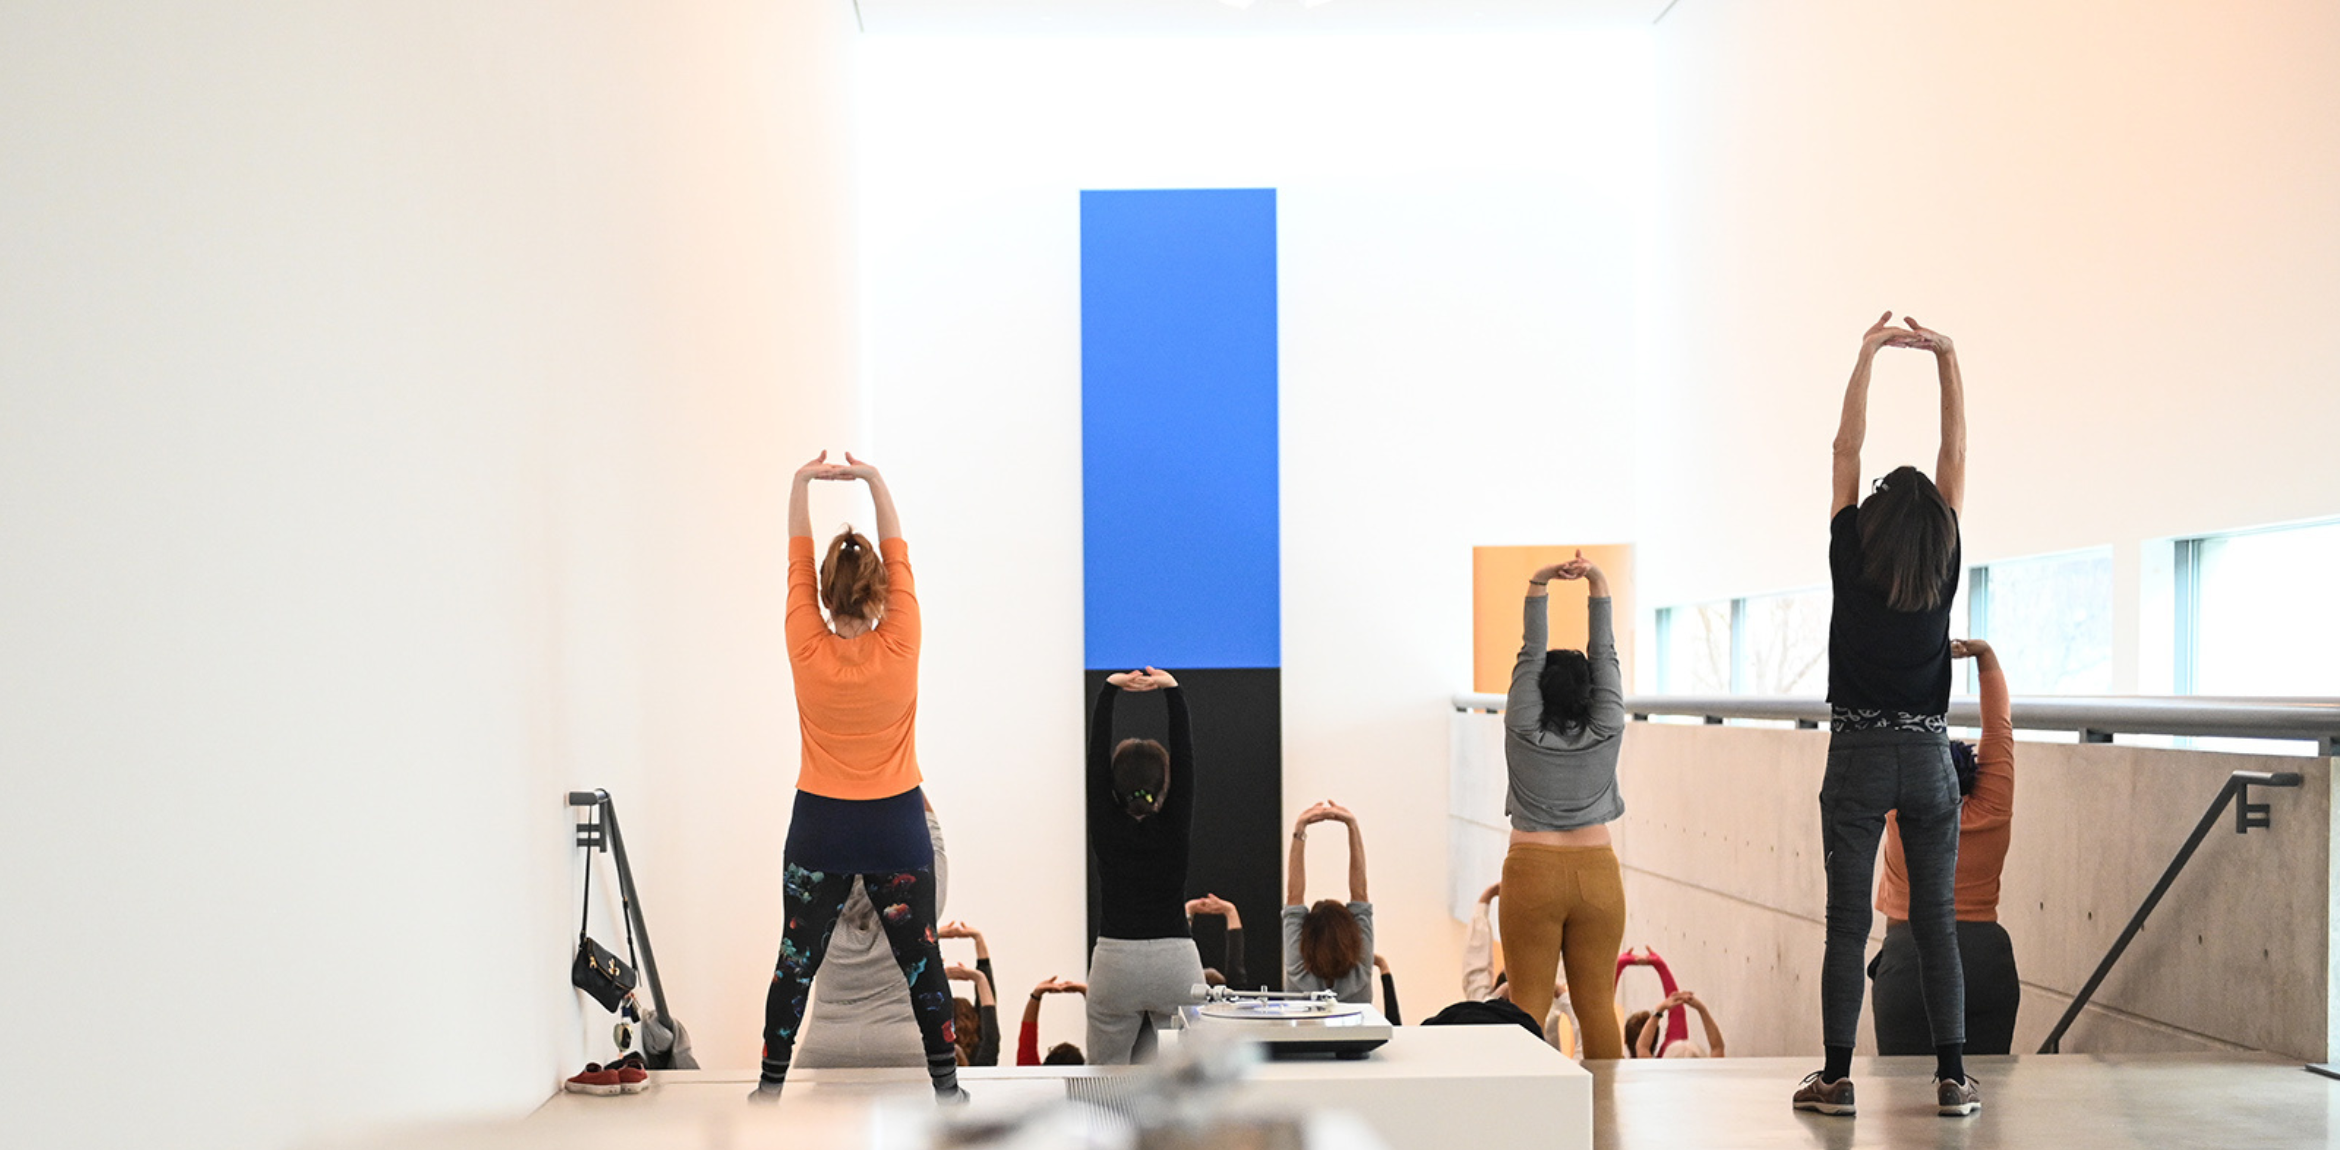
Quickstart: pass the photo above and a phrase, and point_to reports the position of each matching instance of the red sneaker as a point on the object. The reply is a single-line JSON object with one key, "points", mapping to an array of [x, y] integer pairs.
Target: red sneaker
{"points": [[633, 1075], [595, 1079]]}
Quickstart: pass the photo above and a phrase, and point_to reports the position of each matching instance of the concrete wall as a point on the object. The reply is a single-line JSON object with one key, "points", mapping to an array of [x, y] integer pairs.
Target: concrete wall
{"points": [[1720, 843]]}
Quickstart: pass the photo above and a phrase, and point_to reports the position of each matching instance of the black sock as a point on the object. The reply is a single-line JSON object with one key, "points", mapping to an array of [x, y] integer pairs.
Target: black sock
{"points": [[1839, 1063], [944, 1070], [1950, 1062], [774, 1072]]}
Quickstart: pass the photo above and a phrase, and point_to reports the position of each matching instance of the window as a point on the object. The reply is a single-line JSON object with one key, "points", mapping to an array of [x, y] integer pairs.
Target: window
{"points": [[1694, 649], [2256, 612], [2050, 619], [1783, 648]]}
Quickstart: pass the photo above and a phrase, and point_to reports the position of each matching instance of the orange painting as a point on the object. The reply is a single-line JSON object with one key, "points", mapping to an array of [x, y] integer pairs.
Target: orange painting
{"points": [[1498, 583]]}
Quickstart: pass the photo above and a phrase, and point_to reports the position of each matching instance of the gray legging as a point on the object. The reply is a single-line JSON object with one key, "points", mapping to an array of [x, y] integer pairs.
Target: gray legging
{"points": [[1131, 979], [1871, 772]]}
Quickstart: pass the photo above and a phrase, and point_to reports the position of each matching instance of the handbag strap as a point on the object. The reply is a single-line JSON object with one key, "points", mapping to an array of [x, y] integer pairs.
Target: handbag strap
{"points": [[585, 914]]}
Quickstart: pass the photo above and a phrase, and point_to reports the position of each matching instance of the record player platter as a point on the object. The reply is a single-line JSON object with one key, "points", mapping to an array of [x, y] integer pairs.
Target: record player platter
{"points": [[1291, 1023]]}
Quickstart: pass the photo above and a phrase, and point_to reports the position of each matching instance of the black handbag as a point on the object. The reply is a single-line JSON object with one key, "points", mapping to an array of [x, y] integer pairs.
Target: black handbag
{"points": [[596, 971]]}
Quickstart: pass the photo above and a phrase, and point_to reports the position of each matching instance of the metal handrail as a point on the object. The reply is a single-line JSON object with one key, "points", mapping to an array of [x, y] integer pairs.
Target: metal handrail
{"points": [[2097, 719], [2247, 815]]}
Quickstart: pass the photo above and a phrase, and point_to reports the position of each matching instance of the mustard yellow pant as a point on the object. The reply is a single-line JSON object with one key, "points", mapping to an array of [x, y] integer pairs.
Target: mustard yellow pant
{"points": [[1566, 906]]}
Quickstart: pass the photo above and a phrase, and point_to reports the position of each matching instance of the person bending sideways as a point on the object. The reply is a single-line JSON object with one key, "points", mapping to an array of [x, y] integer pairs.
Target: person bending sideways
{"points": [[1653, 1023], [860, 814], [1028, 1039], [859, 1015], [1328, 946], [1893, 562], [1483, 983], [1986, 776], [1231, 970], [1141, 811], [1563, 893]]}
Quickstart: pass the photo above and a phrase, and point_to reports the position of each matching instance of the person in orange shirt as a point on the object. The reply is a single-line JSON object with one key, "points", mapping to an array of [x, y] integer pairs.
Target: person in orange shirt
{"points": [[1986, 776], [859, 811]]}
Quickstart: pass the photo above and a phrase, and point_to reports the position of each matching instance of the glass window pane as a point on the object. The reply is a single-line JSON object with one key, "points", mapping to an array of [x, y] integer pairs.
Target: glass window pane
{"points": [[1786, 639], [1698, 650], [2266, 620], [2050, 620]]}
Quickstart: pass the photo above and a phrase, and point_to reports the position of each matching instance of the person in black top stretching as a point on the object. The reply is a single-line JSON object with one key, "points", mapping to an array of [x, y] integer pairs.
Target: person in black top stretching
{"points": [[1141, 805], [1893, 560]]}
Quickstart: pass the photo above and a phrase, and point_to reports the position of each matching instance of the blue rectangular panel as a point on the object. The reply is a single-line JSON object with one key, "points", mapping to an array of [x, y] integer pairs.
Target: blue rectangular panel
{"points": [[1178, 428]]}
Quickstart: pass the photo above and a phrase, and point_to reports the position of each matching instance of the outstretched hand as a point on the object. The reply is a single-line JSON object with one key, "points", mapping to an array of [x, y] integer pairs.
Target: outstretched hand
{"points": [[820, 468], [1149, 679], [857, 469], [957, 928], [1969, 648]]}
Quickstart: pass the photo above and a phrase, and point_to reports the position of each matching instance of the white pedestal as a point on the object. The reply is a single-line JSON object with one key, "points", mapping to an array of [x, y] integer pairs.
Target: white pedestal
{"points": [[1441, 1087]]}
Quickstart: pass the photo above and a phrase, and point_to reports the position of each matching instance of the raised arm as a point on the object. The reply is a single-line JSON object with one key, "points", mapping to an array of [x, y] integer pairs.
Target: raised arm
{"points": [[1356, 852], [1101, 747], [800, 494], [1296, 862], [1950, 463], [1178, 800], [1523, 706], [1714, 1038], [1993, 800], [1479, 950], [1852, 427], [889, 524]]}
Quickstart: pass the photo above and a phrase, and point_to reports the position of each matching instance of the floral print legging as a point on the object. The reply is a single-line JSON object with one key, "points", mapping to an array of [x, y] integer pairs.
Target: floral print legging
{"points": [[904, 901]]}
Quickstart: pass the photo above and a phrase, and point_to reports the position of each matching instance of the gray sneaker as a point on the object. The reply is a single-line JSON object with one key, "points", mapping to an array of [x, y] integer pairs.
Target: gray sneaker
{"points": [[1956, 1098], [1825, 1097]]}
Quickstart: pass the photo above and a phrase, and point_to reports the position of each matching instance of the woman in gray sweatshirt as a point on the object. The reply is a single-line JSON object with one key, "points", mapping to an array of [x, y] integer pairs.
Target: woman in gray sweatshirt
{"points": [[1563, 894]]}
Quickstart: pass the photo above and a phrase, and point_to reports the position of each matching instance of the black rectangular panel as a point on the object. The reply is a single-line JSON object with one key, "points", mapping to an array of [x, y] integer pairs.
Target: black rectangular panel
{"points": [[1239, 836]]}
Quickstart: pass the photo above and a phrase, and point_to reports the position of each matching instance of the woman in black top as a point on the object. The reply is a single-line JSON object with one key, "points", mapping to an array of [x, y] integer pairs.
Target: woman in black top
{"points": [[1893, 561], [1141, 806]]}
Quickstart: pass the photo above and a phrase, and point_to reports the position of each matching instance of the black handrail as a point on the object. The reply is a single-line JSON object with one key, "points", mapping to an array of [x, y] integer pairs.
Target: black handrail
{"points": [[2247, 815], [604, 834]]}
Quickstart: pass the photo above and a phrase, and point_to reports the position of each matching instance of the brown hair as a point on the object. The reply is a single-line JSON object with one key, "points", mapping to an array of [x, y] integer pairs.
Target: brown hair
{"points": [[1331, 942], [1633, 1024], [1141, 776], [1064, 1054], [1907, 533], [968, 1023], [853, 580]]}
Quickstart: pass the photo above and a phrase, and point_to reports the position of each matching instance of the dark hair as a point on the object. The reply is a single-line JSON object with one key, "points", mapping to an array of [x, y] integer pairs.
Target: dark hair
{"points": [[853, 581], [1633, 1024], [1566, 684], [1331, 942], [1962, 759], [967, 1029], [1064, 1054], [1212, 977], [1907, 532], [1141, 776]]}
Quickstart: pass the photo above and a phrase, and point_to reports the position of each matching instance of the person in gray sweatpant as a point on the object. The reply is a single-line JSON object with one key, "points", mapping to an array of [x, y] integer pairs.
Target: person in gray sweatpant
{"points": [[1141, 810]]}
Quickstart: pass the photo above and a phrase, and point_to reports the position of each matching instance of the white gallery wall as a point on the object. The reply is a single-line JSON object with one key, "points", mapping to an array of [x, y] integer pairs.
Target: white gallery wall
{"points": [[1457, 218], [2122, 212], [396, 409]]}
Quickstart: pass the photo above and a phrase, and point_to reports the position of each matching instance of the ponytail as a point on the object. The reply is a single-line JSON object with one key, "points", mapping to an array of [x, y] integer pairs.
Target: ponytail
{"points": [[853, 580]]}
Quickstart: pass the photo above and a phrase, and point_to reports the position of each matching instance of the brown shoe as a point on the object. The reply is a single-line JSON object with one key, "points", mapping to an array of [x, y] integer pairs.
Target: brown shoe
{"points": [[1956, 1098], [1826, 1097]]}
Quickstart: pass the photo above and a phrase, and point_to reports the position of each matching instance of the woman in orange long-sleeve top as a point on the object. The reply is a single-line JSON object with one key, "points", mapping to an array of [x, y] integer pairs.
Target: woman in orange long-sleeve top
{"points": [[1986, 776], [859, 812]]}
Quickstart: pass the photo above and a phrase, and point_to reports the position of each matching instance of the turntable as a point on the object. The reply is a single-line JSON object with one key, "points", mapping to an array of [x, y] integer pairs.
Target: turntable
{"points": [[1289, 1023]]}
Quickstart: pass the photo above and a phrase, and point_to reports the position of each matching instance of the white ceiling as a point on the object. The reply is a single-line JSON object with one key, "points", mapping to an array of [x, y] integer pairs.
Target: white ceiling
{"points": [[1219, 17]]}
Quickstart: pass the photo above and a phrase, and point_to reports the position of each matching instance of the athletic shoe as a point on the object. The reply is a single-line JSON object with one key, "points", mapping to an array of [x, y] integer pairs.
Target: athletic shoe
{"points": [[633, 1076], [955, 1096], [1825, 1097], [1956, 1098], [594, 1079], [765, 1094]]}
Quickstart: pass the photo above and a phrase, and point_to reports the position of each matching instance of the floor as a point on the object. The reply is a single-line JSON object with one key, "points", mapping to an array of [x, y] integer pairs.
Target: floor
{"points": [[2067, 1102]]}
